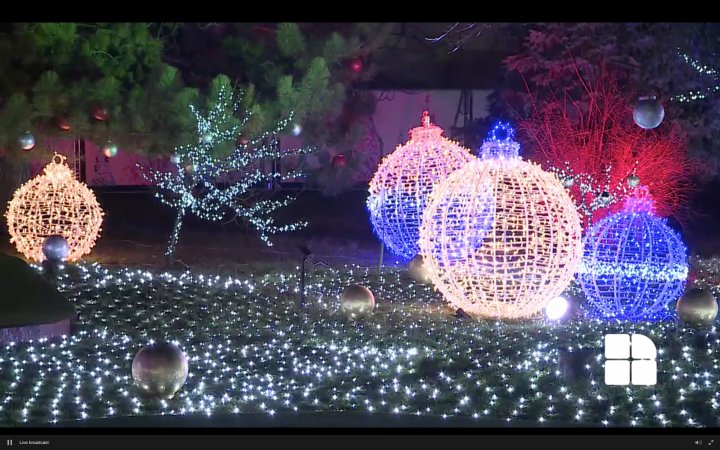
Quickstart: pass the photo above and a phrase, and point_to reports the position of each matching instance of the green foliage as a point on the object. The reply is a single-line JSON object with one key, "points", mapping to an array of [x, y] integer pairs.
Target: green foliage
{"points": [[69, 69], [290, 39]]}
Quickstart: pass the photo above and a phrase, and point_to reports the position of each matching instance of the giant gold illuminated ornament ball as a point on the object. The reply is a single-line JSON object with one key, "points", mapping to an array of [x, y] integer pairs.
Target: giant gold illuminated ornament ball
{"points": [[54, 203], [403, 181], [634, 264], [501, 236]]}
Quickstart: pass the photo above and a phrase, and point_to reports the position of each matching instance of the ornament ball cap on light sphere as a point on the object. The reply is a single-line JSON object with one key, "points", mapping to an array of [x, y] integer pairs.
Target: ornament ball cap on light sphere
{"points": [[357, 301], [697, 308], [501, 236], [160, 369], [404, 180]]}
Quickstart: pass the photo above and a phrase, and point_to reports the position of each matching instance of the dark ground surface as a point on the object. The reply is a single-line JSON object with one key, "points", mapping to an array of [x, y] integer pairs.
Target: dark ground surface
{"points": [[136, 229]]}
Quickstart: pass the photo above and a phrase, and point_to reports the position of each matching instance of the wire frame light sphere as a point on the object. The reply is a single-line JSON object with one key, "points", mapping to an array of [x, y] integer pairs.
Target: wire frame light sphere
{"points": [[54, 203], [634, 264], [403, 181], [501, 236]]}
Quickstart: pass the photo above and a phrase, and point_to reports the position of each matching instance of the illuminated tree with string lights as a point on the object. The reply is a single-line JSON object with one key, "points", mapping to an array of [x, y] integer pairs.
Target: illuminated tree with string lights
{"points": [[214, 176], [594, 147]]}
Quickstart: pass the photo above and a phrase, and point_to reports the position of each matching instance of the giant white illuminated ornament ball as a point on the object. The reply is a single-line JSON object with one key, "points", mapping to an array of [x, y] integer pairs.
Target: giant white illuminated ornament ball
{"points": [[501, 236], [403, 181], [54, 204], [634, 264]]}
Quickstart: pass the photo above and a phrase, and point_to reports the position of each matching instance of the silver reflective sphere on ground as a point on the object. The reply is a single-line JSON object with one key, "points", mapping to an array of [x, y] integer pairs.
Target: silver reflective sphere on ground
{"points": [[418, 270], [357, 301], [55, 248], [697, 307], [160, 369]]}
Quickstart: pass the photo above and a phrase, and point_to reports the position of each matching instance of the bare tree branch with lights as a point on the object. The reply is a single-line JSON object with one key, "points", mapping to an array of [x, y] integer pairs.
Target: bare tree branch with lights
{"points": [[219, 174], [592, 144]]}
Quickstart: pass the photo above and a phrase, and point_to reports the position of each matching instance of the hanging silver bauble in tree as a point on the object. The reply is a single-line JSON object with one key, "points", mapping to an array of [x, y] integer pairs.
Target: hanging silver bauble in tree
{"points": [[648, 113], [110, 149], [207, 138], [26, 141], [633, 180], [568, 181], [175, 158]]}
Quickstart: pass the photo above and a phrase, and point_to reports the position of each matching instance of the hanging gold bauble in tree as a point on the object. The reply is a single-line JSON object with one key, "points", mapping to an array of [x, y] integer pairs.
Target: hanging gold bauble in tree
{"points": [[54, 203]]}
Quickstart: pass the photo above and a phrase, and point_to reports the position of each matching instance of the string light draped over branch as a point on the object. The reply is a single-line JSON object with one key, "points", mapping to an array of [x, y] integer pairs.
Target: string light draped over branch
{"points": [[591, 141], [54, 203], [634, 264], [403, 181], [213, 176], [501, 236]]}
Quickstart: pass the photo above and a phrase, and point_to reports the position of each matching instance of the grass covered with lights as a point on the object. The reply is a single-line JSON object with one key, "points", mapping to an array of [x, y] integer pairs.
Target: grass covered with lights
{"points": [[252, 349]]}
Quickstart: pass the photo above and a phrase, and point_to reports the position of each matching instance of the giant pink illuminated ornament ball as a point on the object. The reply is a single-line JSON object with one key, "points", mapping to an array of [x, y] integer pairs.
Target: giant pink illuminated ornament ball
{"points": [[403, 181], [501, 236]]}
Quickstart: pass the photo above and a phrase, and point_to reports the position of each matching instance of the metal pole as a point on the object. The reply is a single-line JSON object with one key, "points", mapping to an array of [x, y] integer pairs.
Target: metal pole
{"points": [[302, 283], [380, 259]]}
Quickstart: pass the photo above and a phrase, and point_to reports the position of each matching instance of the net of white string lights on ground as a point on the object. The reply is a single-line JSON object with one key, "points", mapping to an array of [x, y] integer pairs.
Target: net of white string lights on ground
{"points": [[251, 349]]}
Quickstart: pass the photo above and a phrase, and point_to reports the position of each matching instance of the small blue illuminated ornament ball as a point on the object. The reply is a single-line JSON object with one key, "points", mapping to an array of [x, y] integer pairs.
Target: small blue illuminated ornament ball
{"points": [[634, 265]]}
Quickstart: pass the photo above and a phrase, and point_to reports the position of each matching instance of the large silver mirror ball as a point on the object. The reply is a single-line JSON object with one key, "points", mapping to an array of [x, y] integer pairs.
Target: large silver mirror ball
{"points": [[55, 248], [160, 369], [357, 301], [697, 307]]}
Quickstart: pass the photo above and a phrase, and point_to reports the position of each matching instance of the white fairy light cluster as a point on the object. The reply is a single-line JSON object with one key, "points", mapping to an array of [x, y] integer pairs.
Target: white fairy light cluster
{"points": [[252, 349], [702, 69], [634, 264], [595, 193], [209, 184]]}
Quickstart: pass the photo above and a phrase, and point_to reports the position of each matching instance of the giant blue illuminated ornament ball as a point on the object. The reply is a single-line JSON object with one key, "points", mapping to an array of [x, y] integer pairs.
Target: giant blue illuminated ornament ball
{"points": [[634, 265], [403, 181]]}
